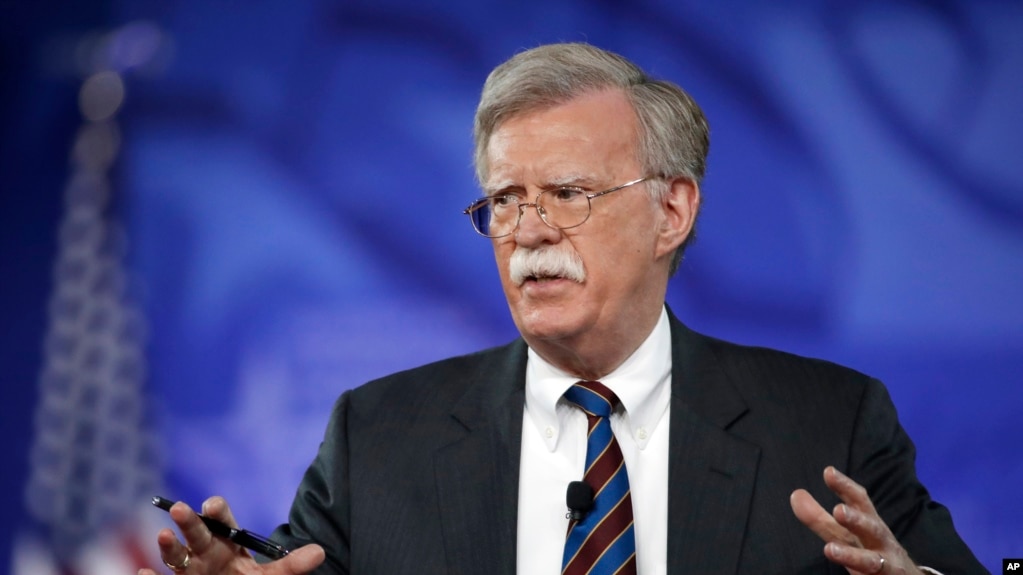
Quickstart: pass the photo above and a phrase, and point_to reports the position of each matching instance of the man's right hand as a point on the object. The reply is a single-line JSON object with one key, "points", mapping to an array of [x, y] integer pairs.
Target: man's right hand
{"points": [[203, 554]]}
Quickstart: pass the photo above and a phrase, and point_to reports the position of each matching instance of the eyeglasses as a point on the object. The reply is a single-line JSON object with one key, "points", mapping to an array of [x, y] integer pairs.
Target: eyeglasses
{"points": [[560, 208]]}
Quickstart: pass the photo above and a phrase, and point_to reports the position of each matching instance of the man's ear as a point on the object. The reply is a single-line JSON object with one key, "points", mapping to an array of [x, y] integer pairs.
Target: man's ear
{"points": [[680, 206]]}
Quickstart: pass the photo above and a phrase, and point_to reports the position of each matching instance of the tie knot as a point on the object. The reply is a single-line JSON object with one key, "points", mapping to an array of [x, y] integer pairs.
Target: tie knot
{"points": [[593, 397]]}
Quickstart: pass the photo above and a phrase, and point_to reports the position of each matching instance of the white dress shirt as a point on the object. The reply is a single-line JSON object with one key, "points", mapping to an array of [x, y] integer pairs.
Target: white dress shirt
{"points": [[554, 454]]}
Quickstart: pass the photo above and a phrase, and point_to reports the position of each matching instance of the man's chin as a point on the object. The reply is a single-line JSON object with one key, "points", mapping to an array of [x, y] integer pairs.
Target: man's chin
{"points": [[538, 321]]}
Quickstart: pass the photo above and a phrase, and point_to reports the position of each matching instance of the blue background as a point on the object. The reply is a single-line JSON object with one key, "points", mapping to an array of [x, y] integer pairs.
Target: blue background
{"points": [[291, 180]]}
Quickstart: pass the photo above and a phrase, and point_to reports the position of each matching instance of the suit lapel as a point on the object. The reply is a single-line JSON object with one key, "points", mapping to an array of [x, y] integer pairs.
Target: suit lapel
{"points": [[478, 475], [711, 473]]}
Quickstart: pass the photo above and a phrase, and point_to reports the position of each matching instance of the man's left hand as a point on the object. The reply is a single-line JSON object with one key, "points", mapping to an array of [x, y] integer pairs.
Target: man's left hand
{"points": [[855, 535]]}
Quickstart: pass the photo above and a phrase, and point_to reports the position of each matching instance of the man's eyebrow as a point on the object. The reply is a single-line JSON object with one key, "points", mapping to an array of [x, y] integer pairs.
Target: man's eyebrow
{"points": [[566, 180], [570, 180], [499, 187]]}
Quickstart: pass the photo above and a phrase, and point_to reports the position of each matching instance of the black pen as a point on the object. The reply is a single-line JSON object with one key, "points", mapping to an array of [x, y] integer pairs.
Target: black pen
{"points": [[246, 539]]}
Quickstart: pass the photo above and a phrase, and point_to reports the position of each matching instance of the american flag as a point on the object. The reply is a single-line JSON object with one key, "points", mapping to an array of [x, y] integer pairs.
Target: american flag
{"points": [[94, 460]]}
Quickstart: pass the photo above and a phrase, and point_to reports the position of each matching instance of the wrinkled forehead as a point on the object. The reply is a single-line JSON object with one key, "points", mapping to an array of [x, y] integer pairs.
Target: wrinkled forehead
{"points": [[584, 139], [515, 112]]}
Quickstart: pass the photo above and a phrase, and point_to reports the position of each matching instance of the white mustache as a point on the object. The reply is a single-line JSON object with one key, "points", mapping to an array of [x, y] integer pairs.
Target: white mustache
{"points": [[545, 262]]}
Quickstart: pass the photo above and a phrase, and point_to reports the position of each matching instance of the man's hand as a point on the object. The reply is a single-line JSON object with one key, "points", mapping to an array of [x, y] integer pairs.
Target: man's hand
{"points": [[855, 535], [204, 554]]}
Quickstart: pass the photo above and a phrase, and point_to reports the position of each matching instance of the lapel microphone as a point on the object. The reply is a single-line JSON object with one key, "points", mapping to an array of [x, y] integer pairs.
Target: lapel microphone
{"points": [[579, 498]]}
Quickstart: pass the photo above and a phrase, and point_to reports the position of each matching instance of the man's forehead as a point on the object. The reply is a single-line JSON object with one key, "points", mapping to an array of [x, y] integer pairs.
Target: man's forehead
{"points": [[586, 139]]}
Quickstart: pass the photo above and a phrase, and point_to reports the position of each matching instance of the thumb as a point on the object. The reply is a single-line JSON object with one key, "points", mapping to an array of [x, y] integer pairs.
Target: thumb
{"points": [[298, 562]]}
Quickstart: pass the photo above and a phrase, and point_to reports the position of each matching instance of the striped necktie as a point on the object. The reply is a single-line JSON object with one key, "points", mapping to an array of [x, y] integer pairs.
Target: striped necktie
{"points": [[604, 541]]}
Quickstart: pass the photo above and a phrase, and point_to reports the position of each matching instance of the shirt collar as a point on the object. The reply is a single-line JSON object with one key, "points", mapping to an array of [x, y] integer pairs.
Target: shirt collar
{"points": [[642, 382]]}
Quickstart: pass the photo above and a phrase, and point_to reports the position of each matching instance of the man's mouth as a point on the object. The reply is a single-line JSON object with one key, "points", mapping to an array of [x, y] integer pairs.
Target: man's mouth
{"points": [[540, 279]]}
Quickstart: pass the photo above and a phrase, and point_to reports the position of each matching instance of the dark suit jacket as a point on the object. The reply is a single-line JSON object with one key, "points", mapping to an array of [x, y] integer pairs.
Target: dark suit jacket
{"points": [[418, 471]]}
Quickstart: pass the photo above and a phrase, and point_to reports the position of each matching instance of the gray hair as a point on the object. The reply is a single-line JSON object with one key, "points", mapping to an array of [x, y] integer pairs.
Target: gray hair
{"points": [[674, 134]]}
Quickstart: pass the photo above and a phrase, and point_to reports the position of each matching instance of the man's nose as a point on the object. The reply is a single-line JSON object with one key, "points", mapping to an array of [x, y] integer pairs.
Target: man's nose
{"points": [[532, 230]]}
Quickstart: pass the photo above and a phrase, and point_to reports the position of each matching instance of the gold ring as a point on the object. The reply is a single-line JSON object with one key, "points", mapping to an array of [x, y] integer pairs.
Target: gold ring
{"points": [[880, 567], [184, 562]]}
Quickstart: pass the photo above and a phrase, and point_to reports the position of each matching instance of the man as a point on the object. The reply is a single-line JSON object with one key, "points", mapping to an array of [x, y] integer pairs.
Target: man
{"points": [[591, 174]]}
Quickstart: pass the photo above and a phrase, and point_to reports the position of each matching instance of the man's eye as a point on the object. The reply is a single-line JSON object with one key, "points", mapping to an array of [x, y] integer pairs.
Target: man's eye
{"points": [[503, 201], [566, 194]]}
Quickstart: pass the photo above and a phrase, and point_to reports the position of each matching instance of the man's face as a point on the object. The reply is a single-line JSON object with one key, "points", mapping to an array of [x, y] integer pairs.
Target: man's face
{"points": [[588, 143]]}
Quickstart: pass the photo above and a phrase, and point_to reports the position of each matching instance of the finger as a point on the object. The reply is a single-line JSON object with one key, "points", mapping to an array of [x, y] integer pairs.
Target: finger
{"points": [[868, 527], [172, 551], [196, 535], [811, 514], [858, 513], [216, 507], [298, 562], [848, 490], [854, 559]]}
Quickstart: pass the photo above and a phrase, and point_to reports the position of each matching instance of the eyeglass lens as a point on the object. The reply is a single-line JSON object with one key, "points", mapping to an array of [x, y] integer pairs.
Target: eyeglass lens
{"points": [[561, 208]]}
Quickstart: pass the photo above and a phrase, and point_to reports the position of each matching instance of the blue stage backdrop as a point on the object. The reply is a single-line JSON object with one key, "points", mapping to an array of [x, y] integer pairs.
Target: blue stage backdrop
{"points": [[280, 187]]}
